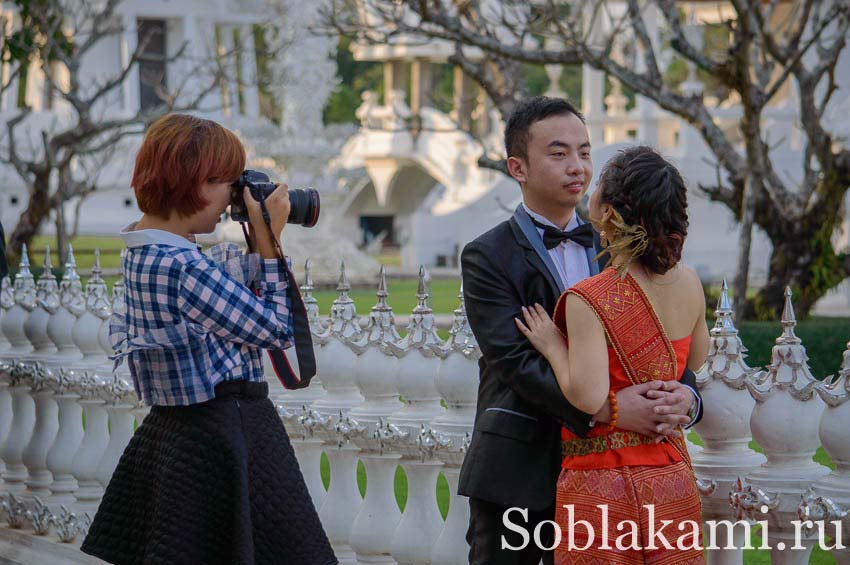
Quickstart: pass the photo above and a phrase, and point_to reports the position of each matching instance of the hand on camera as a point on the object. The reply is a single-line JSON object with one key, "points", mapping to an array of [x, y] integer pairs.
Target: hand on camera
{"points": [[277, 205]]}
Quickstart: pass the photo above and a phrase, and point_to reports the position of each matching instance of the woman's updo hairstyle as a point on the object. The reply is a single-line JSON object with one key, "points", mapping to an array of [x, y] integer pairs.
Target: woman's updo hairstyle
{"points": [[648, 191]]}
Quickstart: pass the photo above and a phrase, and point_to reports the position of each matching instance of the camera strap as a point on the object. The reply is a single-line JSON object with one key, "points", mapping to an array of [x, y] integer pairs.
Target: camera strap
{"points": [[300, 329]]}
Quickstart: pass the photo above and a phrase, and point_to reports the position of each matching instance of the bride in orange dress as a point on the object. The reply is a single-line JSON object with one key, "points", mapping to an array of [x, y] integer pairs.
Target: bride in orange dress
{"points": [[624, 497]]}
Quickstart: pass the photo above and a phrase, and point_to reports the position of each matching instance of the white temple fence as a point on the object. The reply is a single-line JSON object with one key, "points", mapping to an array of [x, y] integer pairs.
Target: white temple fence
{"points": [[387, 400]]}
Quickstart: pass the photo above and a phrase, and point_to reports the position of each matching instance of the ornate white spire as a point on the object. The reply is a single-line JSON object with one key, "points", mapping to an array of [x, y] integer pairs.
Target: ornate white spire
{"points": [[788, 369], [380, 330], [97, 299], [344, 322], [422, 328], [25, 283], [70, 287], [788, 321], [7, 299], [724, 325], [461, 338], [47, 289], [310, 302]]}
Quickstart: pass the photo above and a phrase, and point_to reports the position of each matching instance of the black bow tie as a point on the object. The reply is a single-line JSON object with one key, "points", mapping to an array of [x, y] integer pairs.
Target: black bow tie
{"points": [[552, 237]]}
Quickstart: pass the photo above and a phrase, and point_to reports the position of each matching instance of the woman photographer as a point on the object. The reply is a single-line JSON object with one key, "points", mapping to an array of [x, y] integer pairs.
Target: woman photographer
{"points": [[209, 476]]}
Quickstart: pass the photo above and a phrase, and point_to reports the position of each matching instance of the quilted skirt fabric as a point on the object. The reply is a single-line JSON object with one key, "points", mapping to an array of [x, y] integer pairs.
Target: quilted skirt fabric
{"points": [[215, 482]]}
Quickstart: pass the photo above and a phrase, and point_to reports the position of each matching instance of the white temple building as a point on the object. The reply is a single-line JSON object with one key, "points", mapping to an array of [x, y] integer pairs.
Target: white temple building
{"points": [[410, 173]]}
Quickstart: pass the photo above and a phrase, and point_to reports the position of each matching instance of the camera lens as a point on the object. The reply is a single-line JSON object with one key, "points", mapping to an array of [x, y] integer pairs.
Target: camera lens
{"points": [[304, 207]]}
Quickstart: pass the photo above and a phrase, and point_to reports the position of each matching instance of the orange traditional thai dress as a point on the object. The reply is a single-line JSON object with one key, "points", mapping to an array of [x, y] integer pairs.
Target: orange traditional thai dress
{"points": [[621, 469]]}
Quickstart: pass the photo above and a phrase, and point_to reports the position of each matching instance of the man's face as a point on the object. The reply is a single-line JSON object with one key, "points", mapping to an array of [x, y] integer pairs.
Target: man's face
{"points": [[558, 169]]}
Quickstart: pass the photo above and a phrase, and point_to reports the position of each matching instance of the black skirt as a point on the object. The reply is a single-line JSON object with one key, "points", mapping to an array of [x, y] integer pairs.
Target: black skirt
{"points": [[215, 482]]}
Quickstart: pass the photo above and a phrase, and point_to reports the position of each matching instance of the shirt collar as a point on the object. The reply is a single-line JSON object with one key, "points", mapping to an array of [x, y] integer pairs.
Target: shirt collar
{"points": [[138, 238], [572, 224]]}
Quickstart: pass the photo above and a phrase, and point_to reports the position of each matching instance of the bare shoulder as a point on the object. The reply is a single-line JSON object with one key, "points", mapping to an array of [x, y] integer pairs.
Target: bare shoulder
{"points": [[692, 283], [580, 313]]}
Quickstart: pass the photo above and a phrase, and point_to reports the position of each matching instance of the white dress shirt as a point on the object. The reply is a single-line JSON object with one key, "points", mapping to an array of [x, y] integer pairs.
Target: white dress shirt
{"points": [[569, 257]]}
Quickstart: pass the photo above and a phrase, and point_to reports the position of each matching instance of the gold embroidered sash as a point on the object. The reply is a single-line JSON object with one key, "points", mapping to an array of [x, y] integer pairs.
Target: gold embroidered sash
{"points": [[632, 328]]}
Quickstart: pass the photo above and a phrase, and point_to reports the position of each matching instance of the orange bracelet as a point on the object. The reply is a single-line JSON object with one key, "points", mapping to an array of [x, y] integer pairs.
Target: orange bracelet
{"points": [[612, 399]]}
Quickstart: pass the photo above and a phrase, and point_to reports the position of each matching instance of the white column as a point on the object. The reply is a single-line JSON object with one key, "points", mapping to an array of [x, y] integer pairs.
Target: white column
{"points": [[23, 422], [129, 42], [121, 422], [342, 501], [5, 422], [373, 528], [592, 99], [43, 435], [309, 451], [451, 546], [421, 522], [248, 56], [60, 458], [90, 453]]}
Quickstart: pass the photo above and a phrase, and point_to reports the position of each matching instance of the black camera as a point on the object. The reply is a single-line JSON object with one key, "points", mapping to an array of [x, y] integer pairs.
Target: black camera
{"points": [[304, 203]]}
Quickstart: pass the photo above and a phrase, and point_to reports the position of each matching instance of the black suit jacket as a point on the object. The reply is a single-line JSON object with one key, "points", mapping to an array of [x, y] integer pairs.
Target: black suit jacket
{"points": [[515, 455]]}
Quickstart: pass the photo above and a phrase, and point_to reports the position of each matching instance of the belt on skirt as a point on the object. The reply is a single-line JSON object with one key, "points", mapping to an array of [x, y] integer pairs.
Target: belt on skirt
{"points": [[244, 389]]}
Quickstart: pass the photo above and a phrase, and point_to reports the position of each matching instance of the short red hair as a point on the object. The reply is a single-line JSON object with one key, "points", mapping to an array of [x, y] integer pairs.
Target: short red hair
{"points": [[180, 153]]}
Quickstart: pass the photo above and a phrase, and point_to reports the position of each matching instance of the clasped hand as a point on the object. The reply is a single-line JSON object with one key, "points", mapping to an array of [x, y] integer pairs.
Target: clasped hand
{"points": [[656, 408]]}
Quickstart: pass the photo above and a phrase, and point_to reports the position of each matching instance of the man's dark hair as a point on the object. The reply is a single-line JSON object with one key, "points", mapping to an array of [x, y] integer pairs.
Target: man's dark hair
{"points": [[528, 111]]}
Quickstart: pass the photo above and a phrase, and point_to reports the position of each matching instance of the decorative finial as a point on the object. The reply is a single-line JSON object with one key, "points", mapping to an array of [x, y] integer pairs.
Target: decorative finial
{"points": [[48, 266], [25, 260], [25, 283], [788, 321], [422, 327], [70, 266], [724, 325], [310, 302], [97, 299], [70, 288], [343, 319], [343, 286], [382, 292], [307, 288], [96, 271], [47, 290]]}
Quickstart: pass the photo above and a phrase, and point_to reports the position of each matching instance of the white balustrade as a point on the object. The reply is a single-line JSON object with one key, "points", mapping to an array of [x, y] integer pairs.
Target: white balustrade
{"points": [[53, 373], [93, 445], [120, 399], [91, 309], [337, 362], [457, 384], [44, 433], [18, 310], [829, 498], [35, 326], [308, 449], [421, 521], [60, 458], [785, 424], [375, 377], [60, 326], [20, 432], [7, 300], [725, 427]]}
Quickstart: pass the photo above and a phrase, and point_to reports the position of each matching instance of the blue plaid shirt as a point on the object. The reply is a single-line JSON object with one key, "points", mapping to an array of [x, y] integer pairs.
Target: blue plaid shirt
{"points": [[191, 321]]}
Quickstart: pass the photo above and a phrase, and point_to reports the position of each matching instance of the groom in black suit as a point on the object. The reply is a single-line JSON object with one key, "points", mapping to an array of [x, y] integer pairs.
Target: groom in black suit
{"points": [[514, 458]]}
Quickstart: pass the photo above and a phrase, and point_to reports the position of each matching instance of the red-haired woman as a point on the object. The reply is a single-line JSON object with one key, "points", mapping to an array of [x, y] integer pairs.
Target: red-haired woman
{"points": [[209, 476]]}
